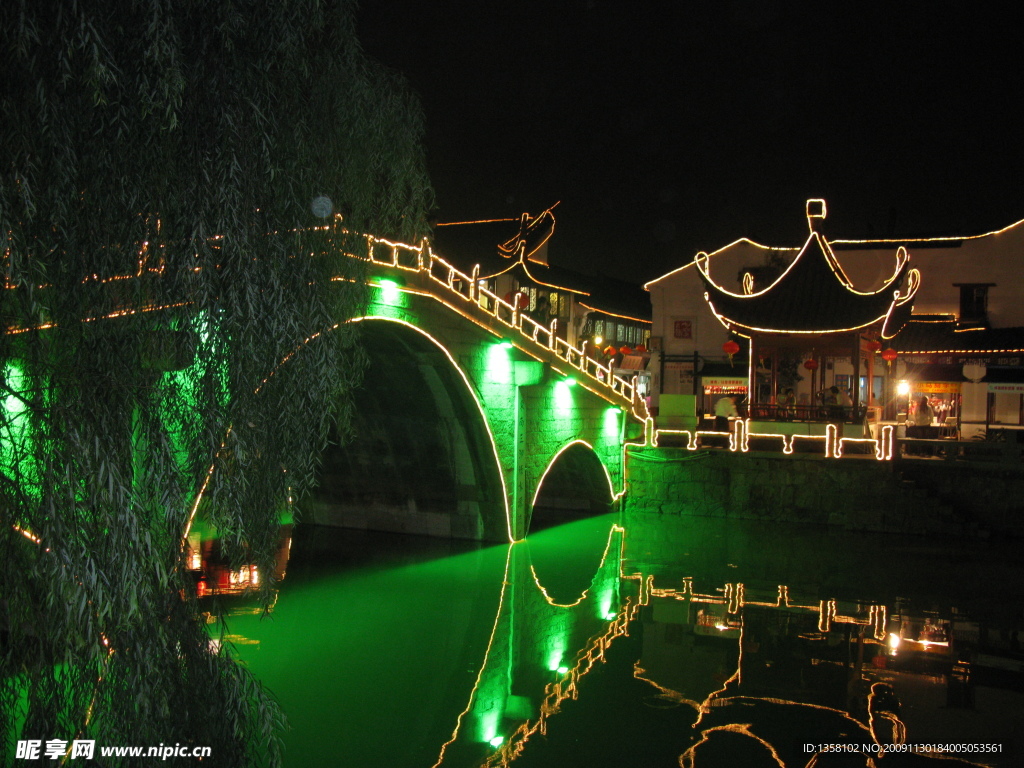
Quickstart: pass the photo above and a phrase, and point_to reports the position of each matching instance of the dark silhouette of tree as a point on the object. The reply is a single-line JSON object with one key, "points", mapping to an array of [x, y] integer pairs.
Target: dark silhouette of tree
{"points": [[171, 179]]}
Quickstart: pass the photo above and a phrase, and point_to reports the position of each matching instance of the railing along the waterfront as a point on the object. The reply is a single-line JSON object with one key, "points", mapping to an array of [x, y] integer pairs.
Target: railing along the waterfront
{"points": [[813, 413], [467, 289], [745, 435]]}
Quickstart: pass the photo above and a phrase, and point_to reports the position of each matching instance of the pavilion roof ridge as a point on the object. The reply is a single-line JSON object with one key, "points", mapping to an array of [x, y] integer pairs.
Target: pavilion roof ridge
{"points": [[812, 295]]}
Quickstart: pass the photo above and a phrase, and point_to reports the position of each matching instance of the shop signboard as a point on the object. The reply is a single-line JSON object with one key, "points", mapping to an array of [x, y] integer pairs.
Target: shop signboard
{"points": [[720, 385], [1006, 388], [938, 387]]}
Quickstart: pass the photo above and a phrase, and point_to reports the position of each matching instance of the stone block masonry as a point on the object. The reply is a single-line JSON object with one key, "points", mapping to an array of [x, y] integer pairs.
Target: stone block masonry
{"points": [[854, 495]]}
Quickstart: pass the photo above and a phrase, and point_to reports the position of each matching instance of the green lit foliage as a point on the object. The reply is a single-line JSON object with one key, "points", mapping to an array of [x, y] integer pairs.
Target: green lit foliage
{"points": [[198, 150]]}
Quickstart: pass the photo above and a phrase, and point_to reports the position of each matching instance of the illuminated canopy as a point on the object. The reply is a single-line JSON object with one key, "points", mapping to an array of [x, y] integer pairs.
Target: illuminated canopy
{"points": [[813, 295]]}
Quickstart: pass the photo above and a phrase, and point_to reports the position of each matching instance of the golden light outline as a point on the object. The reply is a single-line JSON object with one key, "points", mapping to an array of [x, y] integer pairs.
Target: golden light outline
{"points": [[426, 259], [505, 581], [748, 241], [476, 401], [902, 257], [933, 239], [615, 528], [614, 314], [567, 687], [479, 221], [540, 483], [551, 285]]}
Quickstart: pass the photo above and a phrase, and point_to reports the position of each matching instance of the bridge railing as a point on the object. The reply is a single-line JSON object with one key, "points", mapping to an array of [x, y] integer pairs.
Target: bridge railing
{"points": [[423, 260]]}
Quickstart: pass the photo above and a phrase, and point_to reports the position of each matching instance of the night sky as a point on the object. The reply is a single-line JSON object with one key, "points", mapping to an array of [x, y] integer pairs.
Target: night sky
{"points": [[665, 128]]}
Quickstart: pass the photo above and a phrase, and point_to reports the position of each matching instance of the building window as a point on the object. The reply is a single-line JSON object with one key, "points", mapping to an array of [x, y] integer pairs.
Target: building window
{"points": [[559, 304], [974, 303]]}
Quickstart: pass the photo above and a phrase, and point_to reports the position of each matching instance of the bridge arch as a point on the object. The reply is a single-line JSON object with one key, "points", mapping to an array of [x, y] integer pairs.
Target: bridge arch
{"points": [[575, 484], [423, 459]]}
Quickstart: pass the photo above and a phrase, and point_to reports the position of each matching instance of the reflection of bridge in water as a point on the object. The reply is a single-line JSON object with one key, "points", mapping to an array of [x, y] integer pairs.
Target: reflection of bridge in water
{"points": [[500, 669]]}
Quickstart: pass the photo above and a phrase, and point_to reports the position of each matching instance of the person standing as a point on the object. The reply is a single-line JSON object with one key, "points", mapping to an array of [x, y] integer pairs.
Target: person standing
{"points": [[787, 404], [843, 401], [725, 409]]}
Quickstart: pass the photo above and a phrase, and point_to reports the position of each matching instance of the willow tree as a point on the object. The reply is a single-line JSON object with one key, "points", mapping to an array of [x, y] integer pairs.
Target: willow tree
{"points": [[173, 178]]}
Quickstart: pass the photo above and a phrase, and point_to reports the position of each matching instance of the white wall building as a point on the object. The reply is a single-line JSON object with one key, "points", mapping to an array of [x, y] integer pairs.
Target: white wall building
{"points": [[969, 309]]}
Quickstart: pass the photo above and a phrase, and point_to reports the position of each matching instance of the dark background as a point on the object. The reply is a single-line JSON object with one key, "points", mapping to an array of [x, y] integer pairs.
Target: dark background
{"points": [[665, 128]]}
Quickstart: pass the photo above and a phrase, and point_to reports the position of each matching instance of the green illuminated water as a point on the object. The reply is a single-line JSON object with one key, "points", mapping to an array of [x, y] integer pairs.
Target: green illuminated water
{"points": [[396, 651]]}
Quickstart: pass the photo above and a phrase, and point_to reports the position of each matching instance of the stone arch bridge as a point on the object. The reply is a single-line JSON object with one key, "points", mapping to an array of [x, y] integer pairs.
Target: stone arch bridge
{"points": [[474, 421]]}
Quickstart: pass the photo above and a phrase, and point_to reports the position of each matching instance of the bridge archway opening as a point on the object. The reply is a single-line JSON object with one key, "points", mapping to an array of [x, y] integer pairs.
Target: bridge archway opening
{"points": [[575, 486], [422, 459], [569, 523]]}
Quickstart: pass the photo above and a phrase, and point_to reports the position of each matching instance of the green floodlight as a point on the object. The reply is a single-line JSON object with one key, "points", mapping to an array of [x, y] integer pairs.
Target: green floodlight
{"points": [[497, 741], [505, 344], [390, 291], [569, 381], [562, 670]]}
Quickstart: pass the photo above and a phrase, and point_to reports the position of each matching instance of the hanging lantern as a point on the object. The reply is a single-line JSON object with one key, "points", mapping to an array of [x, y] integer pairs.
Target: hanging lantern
{"points": [[873, 345], [518, 299], [609, 350], [811, 364], [975, 372], [889, 355], [640, 349], [730, 348], [626, 350]]}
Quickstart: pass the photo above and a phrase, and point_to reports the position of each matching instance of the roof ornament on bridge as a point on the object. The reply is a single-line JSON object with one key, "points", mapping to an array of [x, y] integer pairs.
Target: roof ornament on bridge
{"points": [[534, 233], [813, 295]]}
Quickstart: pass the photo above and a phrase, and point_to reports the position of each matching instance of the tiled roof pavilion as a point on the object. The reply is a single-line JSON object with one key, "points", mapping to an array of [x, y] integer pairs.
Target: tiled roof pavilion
{"points": [[813, 296]]}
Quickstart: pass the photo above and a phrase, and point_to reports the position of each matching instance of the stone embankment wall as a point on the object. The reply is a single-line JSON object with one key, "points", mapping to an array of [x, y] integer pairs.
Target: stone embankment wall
{"points": [[849, 494]]}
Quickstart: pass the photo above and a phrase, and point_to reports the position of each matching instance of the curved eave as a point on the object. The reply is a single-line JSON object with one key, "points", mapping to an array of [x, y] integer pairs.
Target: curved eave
{"points": [[534, 278], [521, 266], [935, 338], [493, 275], [530, 238], [815, 326], [616, 315], [811, 296], [902, 308]]}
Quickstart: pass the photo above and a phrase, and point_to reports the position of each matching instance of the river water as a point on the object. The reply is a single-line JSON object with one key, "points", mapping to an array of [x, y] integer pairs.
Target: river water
{"points": [[696, 642]]}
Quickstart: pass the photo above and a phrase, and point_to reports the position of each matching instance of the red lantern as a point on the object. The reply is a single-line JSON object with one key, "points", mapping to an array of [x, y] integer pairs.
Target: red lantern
{"points": [[730, 347], [640, 349], [626, 350], [811, 364], [609, 350], [889, 355], [873, 345], [519, 300]]}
